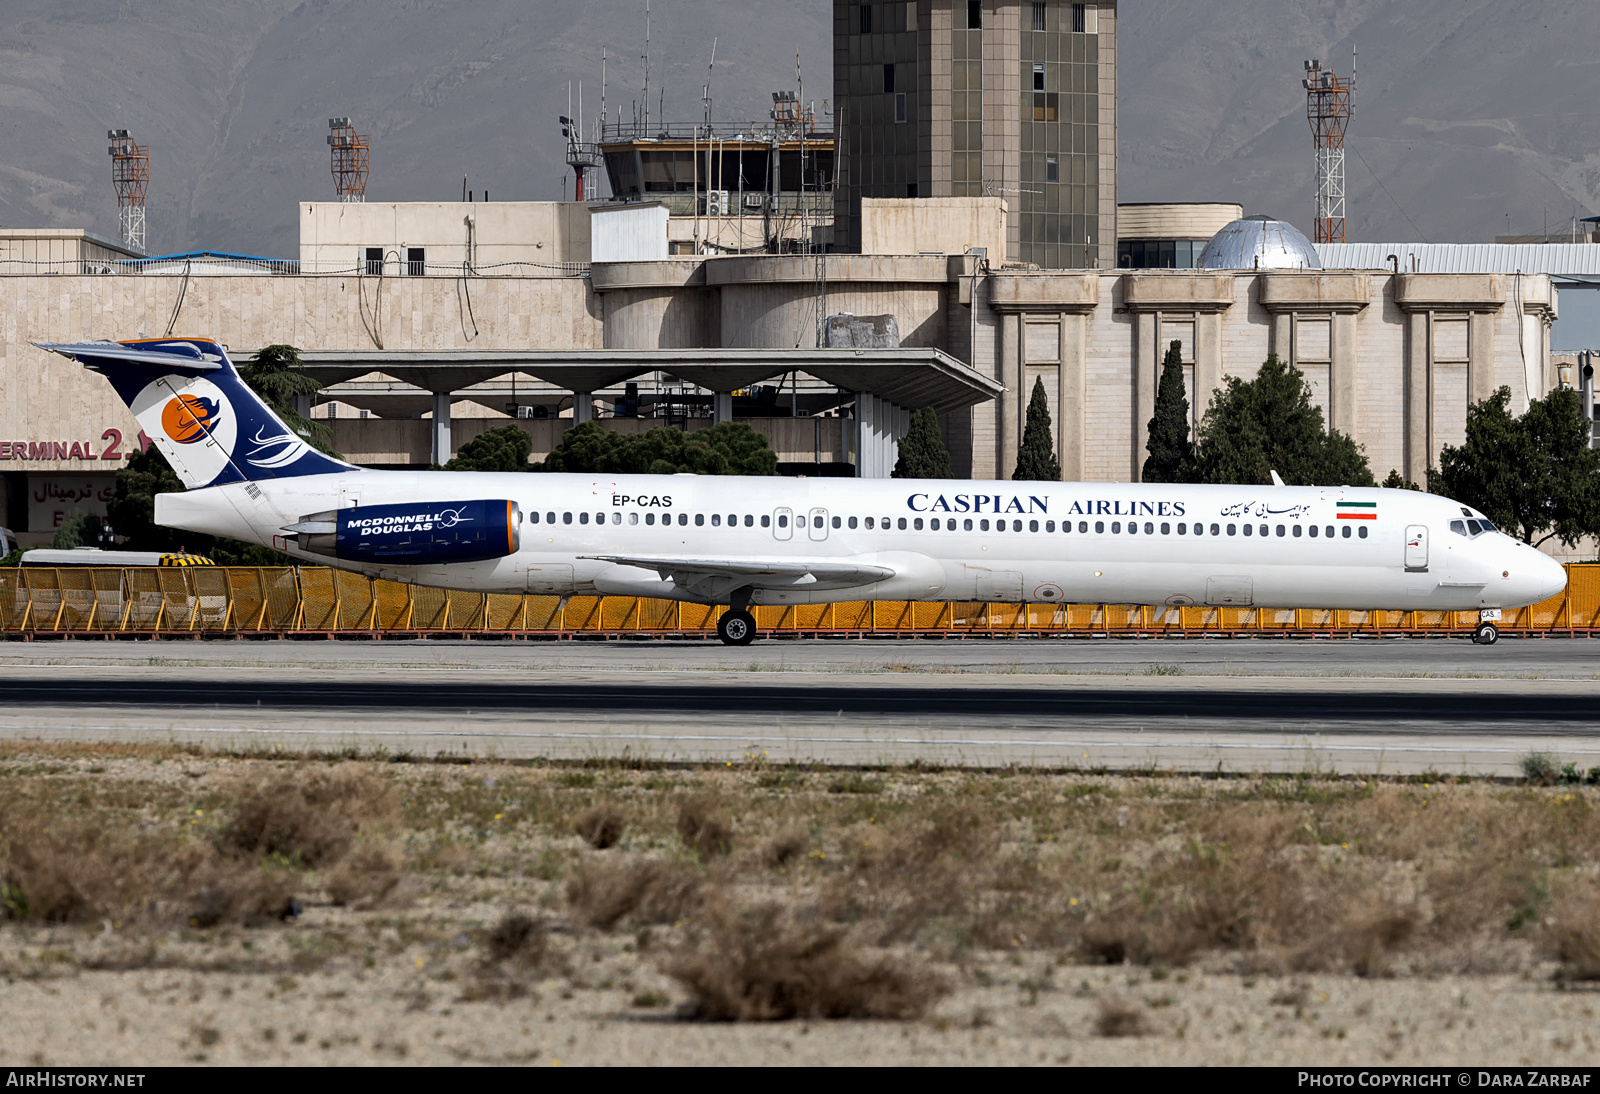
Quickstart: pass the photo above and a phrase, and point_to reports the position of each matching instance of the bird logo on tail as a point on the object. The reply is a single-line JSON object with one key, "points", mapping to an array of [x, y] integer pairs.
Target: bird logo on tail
{"points": [[190, 418]]}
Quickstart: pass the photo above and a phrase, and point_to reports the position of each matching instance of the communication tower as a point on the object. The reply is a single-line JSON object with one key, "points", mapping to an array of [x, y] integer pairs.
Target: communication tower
{"points": [[1329, 107], [130, 174], [582, 156], [351, 159]]}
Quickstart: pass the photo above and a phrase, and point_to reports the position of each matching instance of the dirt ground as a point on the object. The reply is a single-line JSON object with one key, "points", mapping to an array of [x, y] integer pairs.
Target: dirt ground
{"points": [[165, 906]]}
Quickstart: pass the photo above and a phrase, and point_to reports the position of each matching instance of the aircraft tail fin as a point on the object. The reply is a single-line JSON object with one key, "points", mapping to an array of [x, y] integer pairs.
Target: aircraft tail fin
{"points": [[191, 403]]}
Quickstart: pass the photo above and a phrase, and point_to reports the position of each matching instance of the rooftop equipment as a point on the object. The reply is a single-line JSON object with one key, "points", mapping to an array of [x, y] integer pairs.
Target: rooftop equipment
{"points": [[352, 159]]}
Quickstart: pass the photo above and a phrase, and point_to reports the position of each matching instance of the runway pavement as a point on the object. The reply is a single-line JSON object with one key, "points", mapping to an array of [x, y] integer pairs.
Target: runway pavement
{"points": [[1393, 705]]}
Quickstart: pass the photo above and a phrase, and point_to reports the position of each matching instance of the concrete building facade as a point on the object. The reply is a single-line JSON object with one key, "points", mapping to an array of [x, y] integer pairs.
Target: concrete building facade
{"points": [[982, 98]]}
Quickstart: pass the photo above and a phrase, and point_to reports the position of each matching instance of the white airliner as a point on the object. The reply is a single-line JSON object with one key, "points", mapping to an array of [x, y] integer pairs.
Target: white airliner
{"points": [[746, 541]]}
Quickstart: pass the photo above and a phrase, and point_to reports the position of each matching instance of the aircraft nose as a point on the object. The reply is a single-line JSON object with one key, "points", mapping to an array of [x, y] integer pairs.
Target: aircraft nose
{"points": [[1552, 577]]}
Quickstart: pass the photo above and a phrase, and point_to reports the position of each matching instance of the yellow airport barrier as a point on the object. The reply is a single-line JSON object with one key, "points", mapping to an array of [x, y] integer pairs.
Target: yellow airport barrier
{"points": [[267, 601]]}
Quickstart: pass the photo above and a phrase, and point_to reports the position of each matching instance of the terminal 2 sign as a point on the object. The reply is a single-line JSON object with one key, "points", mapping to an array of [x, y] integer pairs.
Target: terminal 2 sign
{"points": [[110, 448]]}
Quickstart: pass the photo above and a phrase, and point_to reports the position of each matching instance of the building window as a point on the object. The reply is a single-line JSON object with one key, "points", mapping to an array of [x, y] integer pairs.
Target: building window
{"points": [[866, 18], [911, 15], [1080, 18], [1046, 106], [374, 260], [975, 14], [1052, 167], [888, 78], [1038, 75], [900, 106], [1038, 16], [416, 261], [911, 189]]}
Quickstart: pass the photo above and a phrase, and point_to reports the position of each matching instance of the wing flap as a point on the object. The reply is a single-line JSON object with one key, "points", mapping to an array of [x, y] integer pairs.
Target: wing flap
{"points": [[779, 571]]}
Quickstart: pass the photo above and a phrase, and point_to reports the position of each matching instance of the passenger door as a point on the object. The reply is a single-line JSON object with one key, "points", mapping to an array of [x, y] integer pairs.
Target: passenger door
{"points": [[782, 523], [1417, 549], [819, 524]]}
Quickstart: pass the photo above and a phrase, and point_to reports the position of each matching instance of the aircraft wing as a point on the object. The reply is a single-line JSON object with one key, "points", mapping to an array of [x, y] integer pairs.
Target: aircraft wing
{"points": [[691, 571]]}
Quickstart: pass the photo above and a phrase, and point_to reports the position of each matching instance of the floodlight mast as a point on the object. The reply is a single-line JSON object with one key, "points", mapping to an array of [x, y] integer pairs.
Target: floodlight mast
{"points": [[1329, 108], [351, 156], [130, 174]]}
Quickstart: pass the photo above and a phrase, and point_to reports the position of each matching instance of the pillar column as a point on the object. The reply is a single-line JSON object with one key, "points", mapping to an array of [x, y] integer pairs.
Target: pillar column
{"points": [[1419, 398], [441, 427], [1146, 371], [1282, 336], [1008, 434], [721, 407], [582, 407], [1481, 378], [1074, 330], [1207, 365], [1342, 373]]}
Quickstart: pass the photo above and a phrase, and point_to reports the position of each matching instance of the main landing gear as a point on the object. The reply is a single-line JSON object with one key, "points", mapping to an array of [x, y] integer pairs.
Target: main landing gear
{"points": [[1487, 634], [737, 628]]}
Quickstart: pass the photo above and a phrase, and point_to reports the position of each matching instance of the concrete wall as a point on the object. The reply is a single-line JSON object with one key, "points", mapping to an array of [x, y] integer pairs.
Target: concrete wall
{"points": [[908, 226], [60, 246], [1189, 220], [334, 235]]}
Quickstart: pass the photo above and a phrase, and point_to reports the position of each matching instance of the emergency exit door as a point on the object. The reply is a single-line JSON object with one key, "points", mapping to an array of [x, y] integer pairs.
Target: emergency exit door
{"points": [[1417, 549]]}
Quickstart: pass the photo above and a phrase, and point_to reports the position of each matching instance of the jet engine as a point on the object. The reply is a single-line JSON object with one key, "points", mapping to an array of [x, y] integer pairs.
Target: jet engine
{"points": [[420, 534]]}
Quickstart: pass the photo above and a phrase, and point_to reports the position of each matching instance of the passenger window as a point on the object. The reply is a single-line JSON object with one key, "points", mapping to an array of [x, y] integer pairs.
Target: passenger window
{"points": [[749, 521], [1083, 526], [766, 521], [1016, 526], [783, 522], [1099, 527], [683, 519], [616, 518], [1263, 529], [633, 518], [1049, 526], [837, 523], [1363, 531], [1183, 529], [716, 520], [649, 518], [1033, 526], [869, 524], [583, 518], [1330, 531], [917, 524], [1345, 531], [983, 526], [699, 520], [852, 522], [1313, 530], [1116, 527], [1166, 529], [1297, 532], [934, 523], [1149, 528], [550, 518], [566, 518], [1458, 527], [1280, 530], [1133, 527], [902, 524], [966, 525], [1249, 529], [733, 520], [1232, 529], [1215, 532], [533, 518]]}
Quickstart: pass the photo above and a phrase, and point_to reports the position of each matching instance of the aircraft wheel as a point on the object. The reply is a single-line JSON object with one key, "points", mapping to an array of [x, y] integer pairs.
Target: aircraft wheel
{"points": [[737, 628], [1487, 634]]}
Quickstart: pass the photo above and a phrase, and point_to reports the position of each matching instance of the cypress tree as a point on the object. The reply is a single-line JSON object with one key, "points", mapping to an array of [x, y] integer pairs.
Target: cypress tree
{"points": [[1171, 451], [922, 451], [1036, 460], [277, 374]]}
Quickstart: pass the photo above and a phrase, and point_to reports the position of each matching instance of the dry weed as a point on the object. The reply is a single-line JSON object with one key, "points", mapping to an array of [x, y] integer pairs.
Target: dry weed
{"points": [[365, 877], [784, 849], [602, 826], [1576, 936], [761, 966], [602, 893], [1117, 1018], [703, 828], [313, 819]]}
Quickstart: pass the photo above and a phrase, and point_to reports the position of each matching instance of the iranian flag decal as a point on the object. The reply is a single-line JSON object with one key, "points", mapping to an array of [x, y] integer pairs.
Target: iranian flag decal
{"points": [[1357, 510]]}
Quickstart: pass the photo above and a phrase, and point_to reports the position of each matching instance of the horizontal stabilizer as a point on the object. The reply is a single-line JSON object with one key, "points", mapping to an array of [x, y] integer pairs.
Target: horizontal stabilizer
{"points": [[172, 359]]}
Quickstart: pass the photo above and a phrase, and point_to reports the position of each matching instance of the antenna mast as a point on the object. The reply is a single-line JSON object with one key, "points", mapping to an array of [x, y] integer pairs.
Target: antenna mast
{"points": [[1329, 107], [130, 174], [647, 66], [351, 157]]}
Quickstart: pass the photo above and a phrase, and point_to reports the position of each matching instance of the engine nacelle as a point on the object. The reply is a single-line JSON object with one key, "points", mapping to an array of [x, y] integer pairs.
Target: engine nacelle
{"points": [[420, 534]]}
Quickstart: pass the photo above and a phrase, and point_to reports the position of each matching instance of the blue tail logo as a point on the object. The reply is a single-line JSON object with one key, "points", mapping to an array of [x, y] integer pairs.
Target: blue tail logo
{"points": [[209, 425]]}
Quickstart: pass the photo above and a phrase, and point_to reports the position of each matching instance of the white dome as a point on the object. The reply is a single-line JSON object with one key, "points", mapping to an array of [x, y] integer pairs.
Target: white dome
{"points": [[1258, 243]]}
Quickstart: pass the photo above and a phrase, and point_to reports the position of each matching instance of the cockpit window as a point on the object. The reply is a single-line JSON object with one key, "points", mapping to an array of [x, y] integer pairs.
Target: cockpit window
{"points": [[1488, 527], [1458, 527], [1474, 527]]}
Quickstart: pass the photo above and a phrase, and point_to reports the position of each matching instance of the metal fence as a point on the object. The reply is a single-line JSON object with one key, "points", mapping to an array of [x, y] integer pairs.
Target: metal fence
{"points": [[241, 601]]}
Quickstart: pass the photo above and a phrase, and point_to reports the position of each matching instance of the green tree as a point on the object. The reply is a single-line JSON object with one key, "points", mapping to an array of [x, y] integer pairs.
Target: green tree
{"points": [[1036, 459], [505, 448], [277, 375], [731, 448], [1171, 451], [82, 530], [1397, 481], [1534, 476], [1255, 427], [922, 451]]}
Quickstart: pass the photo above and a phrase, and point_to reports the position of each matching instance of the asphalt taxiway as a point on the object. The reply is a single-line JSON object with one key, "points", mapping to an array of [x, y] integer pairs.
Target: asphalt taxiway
{"points": [[1357, 705]]}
